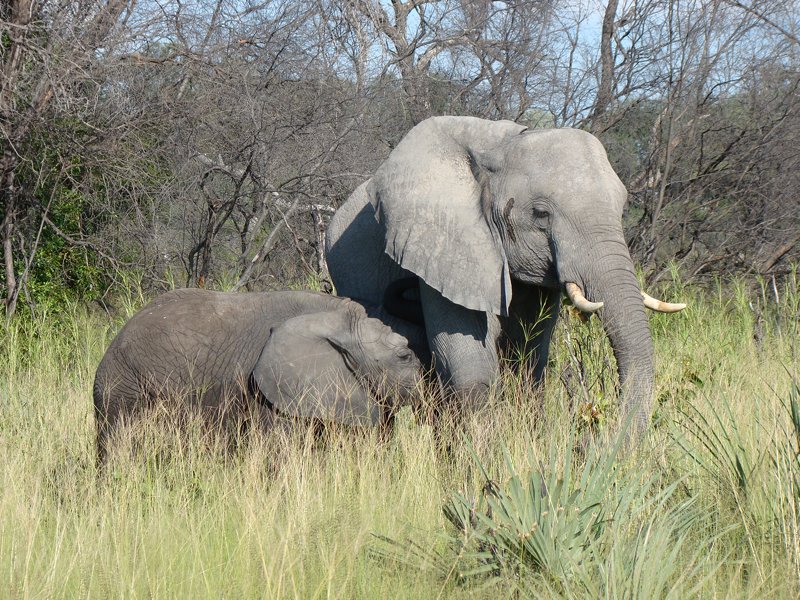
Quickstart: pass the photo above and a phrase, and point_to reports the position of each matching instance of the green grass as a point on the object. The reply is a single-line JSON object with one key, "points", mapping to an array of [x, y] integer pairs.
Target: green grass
{"points": [[520, 505]]}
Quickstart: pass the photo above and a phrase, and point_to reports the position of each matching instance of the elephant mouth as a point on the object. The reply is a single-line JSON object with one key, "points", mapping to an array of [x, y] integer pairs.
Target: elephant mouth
{"points": [[580, 301]]}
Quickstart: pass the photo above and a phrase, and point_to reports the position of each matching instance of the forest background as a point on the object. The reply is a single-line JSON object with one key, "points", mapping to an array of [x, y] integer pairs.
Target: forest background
{"points": [[207, 143]]}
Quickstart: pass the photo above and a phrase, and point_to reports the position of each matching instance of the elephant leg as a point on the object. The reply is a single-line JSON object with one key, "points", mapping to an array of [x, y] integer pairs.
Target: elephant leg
{"points": [[225, 412], [114, 404], [529, 327], [464, 345], [104, 422]]}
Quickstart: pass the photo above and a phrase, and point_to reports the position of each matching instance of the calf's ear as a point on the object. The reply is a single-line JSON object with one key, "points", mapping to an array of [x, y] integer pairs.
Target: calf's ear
{"points": [[305, 370]]}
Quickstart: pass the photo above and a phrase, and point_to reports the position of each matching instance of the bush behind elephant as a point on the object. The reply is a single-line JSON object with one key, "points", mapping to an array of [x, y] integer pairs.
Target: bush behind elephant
{"points": [[254, 356]]}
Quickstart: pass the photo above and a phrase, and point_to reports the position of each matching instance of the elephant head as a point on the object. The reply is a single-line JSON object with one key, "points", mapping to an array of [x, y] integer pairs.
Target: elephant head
{"points": [[476, 207], [340, 366]]}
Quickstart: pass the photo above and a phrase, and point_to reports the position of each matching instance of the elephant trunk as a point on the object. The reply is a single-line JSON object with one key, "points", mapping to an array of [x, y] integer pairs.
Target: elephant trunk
{"points": [[612, 280]]}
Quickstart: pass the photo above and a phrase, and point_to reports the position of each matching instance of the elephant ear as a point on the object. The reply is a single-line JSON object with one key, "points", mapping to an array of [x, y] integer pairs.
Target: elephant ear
{"points": [[305, 370], [431, 197]]}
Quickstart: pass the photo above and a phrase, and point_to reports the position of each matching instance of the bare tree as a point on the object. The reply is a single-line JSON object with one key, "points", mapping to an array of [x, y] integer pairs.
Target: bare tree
{"points": [[256, 143], [48, 53], [694, 191]]}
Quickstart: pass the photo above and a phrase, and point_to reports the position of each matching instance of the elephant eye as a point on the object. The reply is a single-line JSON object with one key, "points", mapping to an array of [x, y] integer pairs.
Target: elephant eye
{"points": [[404, 355], [540, 212], [541, 215], [540, 206]]}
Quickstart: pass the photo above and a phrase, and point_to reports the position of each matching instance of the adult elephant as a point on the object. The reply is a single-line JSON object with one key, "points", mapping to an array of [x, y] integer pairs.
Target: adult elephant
{"points": [[496, 221], [262, 355]]}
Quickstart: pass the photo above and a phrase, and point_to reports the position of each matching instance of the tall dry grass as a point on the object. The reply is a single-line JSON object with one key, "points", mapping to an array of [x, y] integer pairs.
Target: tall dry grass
{"points": [[514, 501]]}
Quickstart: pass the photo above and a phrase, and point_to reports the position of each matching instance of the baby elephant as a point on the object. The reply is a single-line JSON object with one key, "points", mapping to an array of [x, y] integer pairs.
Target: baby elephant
{"points": [[293, 353]]}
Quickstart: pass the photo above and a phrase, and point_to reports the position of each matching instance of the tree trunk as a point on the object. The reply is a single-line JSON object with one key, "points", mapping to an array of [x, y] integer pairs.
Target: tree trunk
{"points": [[8, 229], [605, 87], [317, 211]]}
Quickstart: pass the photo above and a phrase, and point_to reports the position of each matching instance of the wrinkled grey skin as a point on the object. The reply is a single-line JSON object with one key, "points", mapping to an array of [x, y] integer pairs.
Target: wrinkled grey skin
{"points": [[294, 353], [494, 220]]}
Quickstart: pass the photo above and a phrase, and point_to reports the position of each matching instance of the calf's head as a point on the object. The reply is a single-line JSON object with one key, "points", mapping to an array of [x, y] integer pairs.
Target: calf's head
{"points": [[338, 365]]}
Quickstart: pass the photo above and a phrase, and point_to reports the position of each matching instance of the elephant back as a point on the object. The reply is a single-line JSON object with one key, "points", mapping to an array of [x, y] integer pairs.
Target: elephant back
{"points": [[354, 243]]}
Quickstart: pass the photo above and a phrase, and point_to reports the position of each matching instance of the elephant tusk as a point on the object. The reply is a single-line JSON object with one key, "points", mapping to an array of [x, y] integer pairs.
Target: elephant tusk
{"points": [[579, 300], [659, 306]]}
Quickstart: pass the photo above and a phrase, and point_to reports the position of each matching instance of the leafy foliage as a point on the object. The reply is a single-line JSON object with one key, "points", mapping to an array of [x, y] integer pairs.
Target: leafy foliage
{"points": [[537, 520]]}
